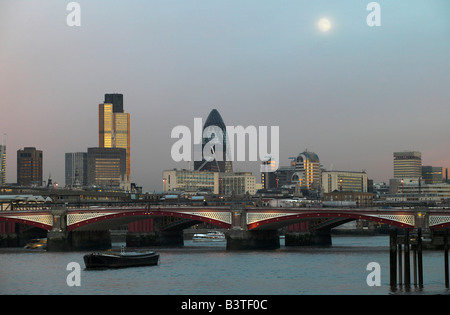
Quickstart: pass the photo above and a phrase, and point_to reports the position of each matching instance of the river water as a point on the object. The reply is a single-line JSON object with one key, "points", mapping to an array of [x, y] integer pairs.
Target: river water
{"points": [[209, 269]]}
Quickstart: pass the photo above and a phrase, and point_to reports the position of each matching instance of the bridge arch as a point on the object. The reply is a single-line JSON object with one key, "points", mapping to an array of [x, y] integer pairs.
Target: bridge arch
{"points": [[82, 221], [106, 219], [275, 220], [219, 219], [42, 220]]}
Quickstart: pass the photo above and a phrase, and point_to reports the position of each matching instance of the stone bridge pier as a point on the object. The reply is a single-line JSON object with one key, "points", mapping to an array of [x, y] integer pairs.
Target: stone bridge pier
{"points": [[57, 237], [171, 237], [240, 238], [315, 238]]}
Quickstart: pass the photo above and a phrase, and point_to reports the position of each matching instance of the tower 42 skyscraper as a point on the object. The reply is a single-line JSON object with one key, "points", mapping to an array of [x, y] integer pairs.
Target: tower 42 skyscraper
{"points": [[114, 127]]}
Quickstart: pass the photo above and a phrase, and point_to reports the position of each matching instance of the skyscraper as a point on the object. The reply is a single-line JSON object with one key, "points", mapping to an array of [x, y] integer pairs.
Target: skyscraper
{"points": [[434, 174], [114, 127], [407, 164], [268, 174], [214, 125], [29, 167], [107, 167], [2, 164], [307, 170]]}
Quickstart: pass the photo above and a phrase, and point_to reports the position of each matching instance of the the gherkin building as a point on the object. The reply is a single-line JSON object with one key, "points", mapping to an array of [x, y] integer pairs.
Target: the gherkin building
{"points": [[215, 140]]}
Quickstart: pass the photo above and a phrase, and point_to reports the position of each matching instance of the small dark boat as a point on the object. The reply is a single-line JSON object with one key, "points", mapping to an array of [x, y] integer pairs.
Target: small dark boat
{"points": [[120, 260]]}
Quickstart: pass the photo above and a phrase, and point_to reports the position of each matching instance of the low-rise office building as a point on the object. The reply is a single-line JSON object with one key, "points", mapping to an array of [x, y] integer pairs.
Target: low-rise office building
{"points": [[344, 181], [223, 183]]}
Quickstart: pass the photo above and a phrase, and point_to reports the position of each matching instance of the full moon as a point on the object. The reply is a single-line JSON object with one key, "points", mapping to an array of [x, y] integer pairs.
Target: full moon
{"points": [[324, 25]]}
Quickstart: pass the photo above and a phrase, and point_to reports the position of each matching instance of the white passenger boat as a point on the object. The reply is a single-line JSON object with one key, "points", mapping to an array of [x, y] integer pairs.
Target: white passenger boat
{"points": [[212, 236]]}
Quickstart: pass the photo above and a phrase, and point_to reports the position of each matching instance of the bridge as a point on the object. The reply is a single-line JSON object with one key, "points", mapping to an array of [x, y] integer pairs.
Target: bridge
{"points": [[247, 227]]}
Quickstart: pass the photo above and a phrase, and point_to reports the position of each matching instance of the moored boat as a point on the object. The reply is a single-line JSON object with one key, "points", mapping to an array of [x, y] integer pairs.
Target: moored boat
{"points": [[121, 260], [212, 236], [38, 243]]}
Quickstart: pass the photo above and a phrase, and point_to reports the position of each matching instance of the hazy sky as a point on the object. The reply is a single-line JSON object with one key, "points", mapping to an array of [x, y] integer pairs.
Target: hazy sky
{"points": [[353, 95]]}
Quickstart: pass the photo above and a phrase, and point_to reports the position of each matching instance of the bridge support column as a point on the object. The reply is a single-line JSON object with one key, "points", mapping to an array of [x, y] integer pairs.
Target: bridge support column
{"points": [[315, 238], [90, 240], [432, 239], [240, 238], [292, 238], [141, 239], [57, 238], [159, 238], [249, 240], [171, 238], [421, 218], [58, 241], [321, 238]]}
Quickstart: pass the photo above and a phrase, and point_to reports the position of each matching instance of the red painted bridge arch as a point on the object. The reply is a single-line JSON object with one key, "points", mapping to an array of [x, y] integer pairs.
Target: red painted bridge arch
{"points": [[107, 218], [258, 219]]}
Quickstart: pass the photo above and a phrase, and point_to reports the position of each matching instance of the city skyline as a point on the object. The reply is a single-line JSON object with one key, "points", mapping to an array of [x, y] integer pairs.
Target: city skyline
{"points": [[354, 94]]}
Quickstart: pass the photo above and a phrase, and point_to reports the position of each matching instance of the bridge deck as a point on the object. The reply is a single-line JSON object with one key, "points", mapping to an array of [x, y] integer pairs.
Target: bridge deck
{"points": [[255, 217]]}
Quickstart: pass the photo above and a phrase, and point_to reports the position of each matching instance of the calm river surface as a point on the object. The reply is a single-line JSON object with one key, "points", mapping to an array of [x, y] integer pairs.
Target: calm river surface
{"points": [[209, 269]]}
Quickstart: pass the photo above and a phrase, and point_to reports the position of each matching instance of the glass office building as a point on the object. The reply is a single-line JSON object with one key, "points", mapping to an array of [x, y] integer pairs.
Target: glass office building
{"points": [[190, 182], [29, 167], [107, 167], [2, 165], [307, 170], [407, 164], [114, 127], [76, 169]]}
